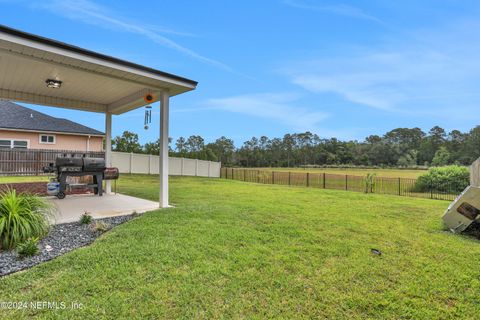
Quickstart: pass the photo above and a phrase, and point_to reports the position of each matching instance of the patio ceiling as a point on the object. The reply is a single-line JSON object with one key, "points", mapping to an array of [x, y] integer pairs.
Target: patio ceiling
{"points": [[90, 81]]}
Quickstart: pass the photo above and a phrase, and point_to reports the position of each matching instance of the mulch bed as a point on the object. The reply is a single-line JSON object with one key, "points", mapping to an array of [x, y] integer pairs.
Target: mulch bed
{"points": [[61, 239]]}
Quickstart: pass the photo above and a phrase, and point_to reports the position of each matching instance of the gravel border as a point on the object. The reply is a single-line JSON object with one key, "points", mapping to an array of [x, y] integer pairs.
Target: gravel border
{"points": [[61, 239]]}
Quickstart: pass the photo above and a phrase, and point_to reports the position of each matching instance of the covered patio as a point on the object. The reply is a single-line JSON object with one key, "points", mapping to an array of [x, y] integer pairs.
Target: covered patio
{"points": [[47, 72]]}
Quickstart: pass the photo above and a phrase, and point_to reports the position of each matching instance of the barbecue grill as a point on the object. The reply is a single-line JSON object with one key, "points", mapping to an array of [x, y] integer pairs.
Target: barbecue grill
{"points": [[78, 167]]}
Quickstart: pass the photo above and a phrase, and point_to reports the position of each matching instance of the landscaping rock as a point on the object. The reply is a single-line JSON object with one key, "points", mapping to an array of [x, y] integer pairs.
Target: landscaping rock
{"points": [[61, 239]]}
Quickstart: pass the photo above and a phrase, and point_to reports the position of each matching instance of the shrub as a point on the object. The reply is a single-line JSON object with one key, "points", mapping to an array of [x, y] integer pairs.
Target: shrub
{"points": [[369, 182], [444, 179], [28, 248], [22, 216], [86, 218], [100, 226]]}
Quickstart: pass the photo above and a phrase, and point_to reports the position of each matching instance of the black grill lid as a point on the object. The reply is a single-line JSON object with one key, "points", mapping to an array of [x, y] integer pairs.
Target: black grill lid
{"points": [[69, 162], [93, 164]]}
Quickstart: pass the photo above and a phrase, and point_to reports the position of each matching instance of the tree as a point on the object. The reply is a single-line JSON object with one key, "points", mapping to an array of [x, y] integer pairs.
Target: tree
{"points": [[181, 146], [152, 147], [127, 142], [435, 139], [223, 148], [194, 144], [407, 139], [409, 159], [441, 158], [471, 148], [288, 143]]}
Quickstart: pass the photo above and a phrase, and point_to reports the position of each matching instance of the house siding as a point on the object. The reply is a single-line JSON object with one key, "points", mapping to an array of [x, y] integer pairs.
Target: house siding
{"points": [[62, 141]]}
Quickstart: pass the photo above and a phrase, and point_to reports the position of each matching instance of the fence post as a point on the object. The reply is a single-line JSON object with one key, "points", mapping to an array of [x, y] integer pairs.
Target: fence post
{"points": [[131, 161], [258, 176], [182, 167], [196, 168], [346, 182], [399, 189], [37, 161], [273, 177], [209, 165], [289, 177], [244, 179], [149, 163], [308, 179], [324, 184]]}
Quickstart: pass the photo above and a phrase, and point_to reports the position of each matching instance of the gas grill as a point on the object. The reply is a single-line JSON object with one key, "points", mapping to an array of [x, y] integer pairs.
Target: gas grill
{"points": [[78, 167]]}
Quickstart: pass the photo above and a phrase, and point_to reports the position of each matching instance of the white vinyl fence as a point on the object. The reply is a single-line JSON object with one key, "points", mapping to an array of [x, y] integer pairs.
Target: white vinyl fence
{"points": [[144, 163]]}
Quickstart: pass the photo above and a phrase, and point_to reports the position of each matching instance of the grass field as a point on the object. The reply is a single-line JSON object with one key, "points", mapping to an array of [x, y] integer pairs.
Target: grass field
{"points": [[387, 173], [13, 179], [232, 249]]}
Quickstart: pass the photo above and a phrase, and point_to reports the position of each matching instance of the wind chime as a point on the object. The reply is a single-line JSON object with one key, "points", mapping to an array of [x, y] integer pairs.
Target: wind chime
{"points": [[148, 117], [148, 98]]}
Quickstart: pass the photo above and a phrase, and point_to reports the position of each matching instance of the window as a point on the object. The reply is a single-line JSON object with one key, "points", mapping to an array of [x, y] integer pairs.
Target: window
{"points": [[9, 144], [5, 144], [20, 144], [47, 138]]}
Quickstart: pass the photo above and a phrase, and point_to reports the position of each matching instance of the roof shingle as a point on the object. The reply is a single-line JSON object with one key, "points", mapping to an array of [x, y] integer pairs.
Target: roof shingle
{"points": [[14, 116]]}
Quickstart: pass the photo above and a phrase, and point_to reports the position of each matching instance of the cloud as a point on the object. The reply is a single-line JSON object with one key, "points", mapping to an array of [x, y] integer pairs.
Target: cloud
{"points": [[420, 72], [338, 9], [278, 107], [92, 13]]}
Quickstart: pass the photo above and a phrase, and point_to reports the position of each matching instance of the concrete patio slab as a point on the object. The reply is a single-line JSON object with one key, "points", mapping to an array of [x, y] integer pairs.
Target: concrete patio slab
{"points": [[109, 205]]}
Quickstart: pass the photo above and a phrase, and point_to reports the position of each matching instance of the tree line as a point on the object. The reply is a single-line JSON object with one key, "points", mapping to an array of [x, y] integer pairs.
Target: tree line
{"points": [[400, 147]]}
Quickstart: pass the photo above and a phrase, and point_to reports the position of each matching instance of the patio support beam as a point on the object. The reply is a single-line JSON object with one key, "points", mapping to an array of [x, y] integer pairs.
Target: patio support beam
{"points": [[108, 148], [127, 102], [163, 165]]}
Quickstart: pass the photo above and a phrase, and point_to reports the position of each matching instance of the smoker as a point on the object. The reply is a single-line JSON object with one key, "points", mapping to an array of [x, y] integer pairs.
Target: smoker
{"points": [[78, 167]]}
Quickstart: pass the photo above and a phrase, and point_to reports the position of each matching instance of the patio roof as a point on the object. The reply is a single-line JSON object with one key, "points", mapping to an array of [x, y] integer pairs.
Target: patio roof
{"points": [[86, 80], [91, 81]]}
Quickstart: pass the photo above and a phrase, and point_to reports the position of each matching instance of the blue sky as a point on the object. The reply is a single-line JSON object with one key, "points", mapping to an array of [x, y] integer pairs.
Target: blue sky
{"points": [[346, 69]]}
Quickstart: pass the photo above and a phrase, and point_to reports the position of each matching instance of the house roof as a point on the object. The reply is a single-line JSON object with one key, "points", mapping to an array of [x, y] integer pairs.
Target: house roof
{"points": [[14, 116], [63, 45], [90, 81]]}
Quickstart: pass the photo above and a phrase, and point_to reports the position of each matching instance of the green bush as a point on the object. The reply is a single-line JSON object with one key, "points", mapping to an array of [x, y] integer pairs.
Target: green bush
{"points": [[22, 216], [453, 179], [100, 226], [28, 248], [86, 218]]}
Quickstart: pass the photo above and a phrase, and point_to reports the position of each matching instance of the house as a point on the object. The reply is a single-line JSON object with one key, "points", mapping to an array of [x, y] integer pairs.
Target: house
{"points": [[24, 128]]}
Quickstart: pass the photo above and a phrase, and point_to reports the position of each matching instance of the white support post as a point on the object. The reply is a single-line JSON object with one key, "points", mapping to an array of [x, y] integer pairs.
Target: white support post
{"points": [[108, 148], [163, 165]]}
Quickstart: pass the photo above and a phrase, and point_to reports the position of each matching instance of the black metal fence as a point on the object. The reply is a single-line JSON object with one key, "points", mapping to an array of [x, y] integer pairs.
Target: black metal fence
{"points": [[31, 161], [394, 186]]}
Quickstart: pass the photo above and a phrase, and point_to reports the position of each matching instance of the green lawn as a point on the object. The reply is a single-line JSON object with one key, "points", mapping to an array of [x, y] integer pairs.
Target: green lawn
{"points": [[14, 179], [238, 250], [387, 173]]}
